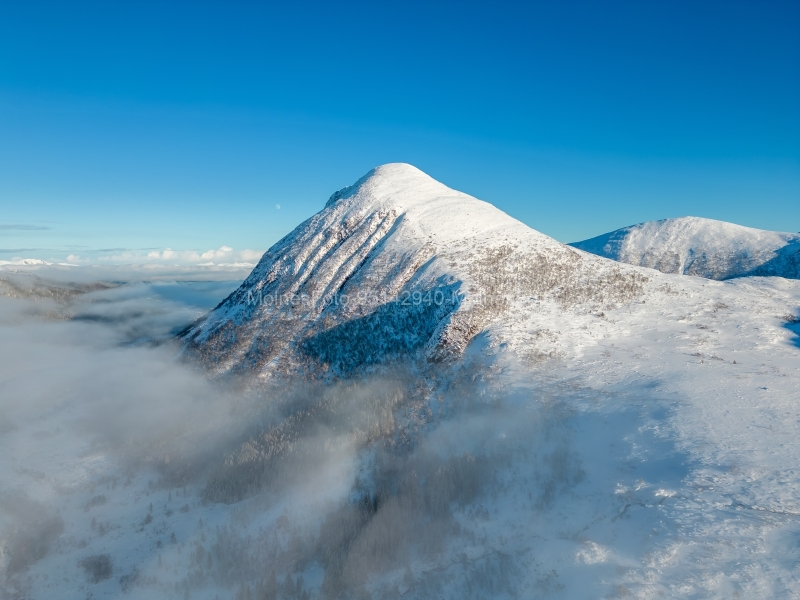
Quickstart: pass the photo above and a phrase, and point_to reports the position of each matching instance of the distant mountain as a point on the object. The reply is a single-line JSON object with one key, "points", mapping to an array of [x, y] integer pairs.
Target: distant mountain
{"points": [[702, 247], [24, 262], [397, 264]]}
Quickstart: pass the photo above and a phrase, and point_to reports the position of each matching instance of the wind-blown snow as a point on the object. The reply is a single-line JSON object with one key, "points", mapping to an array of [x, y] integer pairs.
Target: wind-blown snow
{"points": [[702, 247]]}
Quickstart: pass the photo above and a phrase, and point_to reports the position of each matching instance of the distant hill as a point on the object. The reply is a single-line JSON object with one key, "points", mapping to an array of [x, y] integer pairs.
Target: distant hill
{"points": [[702, 247]]}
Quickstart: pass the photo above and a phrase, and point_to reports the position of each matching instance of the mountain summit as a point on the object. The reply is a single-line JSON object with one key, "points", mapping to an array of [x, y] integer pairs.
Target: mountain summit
{"points": [[396, 265], [703, 247]]}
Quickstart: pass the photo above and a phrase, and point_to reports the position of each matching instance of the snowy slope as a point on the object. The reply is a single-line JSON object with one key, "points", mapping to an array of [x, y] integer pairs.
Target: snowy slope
{"points": [[702, 247], [683, 392]]}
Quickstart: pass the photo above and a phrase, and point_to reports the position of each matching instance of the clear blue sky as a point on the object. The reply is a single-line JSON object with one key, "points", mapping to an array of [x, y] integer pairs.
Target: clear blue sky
{"points": [[183, 124]]}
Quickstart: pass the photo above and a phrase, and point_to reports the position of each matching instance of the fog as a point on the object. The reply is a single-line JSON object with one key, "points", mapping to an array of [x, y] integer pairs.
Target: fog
{"points": [[127, 471], [91, 387]]}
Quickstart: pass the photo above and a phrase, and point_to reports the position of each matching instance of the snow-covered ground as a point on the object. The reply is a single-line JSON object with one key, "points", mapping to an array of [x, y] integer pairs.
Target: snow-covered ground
{"points": [[702, 247], [570, 428]]}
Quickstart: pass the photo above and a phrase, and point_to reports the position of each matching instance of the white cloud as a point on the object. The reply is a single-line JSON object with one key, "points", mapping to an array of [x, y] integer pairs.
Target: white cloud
{"points": [[75, 259], [222, 256], [251, 255], [222, 262]]}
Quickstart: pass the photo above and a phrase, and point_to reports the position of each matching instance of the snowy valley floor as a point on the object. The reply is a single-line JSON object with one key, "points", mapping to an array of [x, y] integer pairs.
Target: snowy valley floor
{"points": [[655, 454]]}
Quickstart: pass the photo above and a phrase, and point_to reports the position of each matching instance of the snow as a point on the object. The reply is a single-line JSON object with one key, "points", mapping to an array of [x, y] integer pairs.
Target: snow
{"points": [[641, 427], [23, 262], [703, 247]]}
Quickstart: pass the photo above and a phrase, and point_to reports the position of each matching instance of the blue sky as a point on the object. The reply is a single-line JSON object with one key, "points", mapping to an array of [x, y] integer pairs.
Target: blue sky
{"points": [[129, 127]]}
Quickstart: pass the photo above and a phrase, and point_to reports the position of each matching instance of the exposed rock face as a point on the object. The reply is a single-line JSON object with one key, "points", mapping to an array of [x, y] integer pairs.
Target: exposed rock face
{"points": [[702, 247], [396, 265]]}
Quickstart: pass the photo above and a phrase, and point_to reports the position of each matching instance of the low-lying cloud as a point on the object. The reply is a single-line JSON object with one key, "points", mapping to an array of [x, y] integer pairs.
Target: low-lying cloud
{"points": [[125, 259]]}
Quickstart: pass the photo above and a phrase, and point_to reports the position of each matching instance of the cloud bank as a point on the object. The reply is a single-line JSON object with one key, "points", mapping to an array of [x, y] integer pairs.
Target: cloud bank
{"points": [[152, 259]]}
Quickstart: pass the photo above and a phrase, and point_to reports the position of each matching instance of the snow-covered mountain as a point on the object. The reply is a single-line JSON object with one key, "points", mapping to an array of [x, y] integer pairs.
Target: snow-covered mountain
{"points": [[398, 264], [500, 415], [23, 262], [702, 247]]}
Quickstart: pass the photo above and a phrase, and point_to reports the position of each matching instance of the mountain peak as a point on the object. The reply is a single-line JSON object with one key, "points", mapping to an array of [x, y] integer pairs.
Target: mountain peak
{"points": [[389, 179], [399, 170], [399, 175], [395, 265]]}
